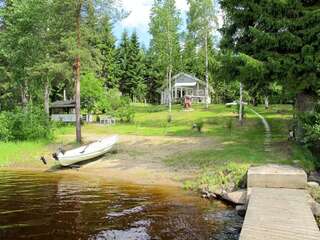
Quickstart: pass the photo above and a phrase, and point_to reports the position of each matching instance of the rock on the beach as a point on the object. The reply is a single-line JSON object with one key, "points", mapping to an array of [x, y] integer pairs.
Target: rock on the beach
{"points": [[241, 210], [237, 197], [313, 184], [315, 206], [314, 177]]}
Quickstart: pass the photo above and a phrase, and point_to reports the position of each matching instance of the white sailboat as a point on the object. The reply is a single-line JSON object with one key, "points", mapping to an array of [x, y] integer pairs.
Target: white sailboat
{"points": [[86, 152]]}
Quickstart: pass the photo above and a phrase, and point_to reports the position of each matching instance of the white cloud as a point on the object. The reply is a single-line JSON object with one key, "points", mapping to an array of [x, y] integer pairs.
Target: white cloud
{"points": [[139, 13]]}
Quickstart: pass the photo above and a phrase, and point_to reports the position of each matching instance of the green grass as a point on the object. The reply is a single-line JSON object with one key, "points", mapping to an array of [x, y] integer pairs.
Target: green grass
{"points": [[238, 146], [27, 152]]}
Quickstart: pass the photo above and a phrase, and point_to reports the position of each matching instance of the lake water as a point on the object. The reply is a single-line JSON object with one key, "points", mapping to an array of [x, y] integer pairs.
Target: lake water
{"points": [[58, 206]]}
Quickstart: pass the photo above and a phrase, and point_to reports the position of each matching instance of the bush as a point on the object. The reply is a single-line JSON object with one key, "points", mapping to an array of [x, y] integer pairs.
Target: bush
{"points": [[118, 106], [125, 113], [123, 110], [198, 125], [29, 123], [5, 131], [311, 123]]}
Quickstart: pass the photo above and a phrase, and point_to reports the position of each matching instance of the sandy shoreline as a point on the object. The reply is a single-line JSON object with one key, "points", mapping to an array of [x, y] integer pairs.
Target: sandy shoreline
{"points": [[136, 159]]}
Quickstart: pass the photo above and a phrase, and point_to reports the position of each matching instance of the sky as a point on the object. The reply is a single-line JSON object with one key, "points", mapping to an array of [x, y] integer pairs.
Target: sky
{"points": [[139, 18]]}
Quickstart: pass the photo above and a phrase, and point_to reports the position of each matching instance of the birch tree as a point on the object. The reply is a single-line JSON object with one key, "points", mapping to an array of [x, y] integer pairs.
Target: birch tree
{"points": [[164, 26], [202, 22]]}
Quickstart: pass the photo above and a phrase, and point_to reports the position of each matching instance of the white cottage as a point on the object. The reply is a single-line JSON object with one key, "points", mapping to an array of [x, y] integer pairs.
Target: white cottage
{"points": [[185, 85]]}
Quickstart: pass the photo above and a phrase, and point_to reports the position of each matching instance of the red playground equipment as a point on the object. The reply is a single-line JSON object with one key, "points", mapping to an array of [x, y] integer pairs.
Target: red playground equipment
{"points": [[187, 102]]}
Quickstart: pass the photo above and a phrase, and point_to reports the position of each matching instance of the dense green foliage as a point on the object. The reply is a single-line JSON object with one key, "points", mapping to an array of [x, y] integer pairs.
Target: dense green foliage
{"points": [[311, 123], [275, 44], [92, 93], [119, 106], [281, 34], [131, 67], [30, 123]]}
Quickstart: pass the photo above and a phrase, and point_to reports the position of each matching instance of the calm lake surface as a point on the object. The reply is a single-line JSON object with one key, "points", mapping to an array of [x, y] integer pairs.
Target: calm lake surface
{"points": [[57, 206]]}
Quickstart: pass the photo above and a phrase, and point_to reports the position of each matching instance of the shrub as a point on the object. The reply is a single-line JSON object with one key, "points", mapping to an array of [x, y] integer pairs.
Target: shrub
{"points": [[5, 131], [28, 123], [123, 110], [125, 113], [169, 118], [116, 105], [198, 125], [311, 123]]}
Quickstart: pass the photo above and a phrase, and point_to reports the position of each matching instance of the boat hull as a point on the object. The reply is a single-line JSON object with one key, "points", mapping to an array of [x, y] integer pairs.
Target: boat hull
{"points": [[87, 152]]}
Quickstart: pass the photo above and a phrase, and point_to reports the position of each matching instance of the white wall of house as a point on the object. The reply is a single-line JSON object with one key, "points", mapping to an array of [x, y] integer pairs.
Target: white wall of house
{"points": [[185, 85]]}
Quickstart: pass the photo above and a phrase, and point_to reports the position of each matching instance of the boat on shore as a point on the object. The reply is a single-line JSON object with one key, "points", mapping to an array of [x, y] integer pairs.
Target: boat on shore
{"points": [[86, 152]]}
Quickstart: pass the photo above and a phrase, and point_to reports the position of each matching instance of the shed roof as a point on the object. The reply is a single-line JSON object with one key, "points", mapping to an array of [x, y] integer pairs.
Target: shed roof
{"points": [[63, 104]]}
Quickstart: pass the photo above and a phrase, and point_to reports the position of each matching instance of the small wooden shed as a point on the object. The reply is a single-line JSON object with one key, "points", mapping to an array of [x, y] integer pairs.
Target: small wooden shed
{"points": [[63, 111]]}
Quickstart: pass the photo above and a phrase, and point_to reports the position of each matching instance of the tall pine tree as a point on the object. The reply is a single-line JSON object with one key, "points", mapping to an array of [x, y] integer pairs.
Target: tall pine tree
{"points": [[130, 60], [284, 35]]}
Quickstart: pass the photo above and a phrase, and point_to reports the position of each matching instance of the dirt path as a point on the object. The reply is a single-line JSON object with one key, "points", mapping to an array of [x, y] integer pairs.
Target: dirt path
{"points": [[140, 160]]}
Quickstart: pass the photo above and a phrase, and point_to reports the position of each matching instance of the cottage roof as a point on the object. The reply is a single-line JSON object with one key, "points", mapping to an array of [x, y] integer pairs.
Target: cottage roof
{"points": [[183, 79], [64, 104]]}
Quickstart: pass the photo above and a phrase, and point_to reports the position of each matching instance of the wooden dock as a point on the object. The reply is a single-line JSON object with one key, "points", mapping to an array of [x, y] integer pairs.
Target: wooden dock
{"points": [[278, 213]]}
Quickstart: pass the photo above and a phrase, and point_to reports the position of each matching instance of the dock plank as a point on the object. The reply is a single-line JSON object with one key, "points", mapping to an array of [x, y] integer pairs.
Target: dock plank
{"points": [[279, 214]]}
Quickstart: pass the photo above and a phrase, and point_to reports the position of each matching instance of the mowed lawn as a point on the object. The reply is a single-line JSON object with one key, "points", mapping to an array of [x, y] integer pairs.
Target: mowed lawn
{"points": [[240, 144]]}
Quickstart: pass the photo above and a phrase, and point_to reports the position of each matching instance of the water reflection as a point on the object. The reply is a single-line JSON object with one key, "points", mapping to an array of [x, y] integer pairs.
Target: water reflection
{"points": [[53, 206]]}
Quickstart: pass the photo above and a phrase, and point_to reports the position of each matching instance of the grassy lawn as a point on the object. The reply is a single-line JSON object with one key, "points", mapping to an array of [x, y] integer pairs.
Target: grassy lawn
{"points": [[239, 146], [21, 153]]}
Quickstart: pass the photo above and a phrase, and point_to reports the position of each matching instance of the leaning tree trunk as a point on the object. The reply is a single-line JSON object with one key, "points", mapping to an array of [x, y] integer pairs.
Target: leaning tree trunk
{"points": [[77, 74], [47, 97], [266, 102], [305, 103]]}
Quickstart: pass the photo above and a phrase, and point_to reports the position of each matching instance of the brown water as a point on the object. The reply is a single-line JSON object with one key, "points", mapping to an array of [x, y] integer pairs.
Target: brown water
{"points": [[54, 206]]}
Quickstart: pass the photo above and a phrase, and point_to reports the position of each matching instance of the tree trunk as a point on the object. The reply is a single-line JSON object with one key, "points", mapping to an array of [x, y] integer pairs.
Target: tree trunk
{"points": [[24, 99], [266, 102], [240, 105], [207, 73], [170, 88], [64, 95], [255, 101], [77, 74], [305, 103], [47, 97]]}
